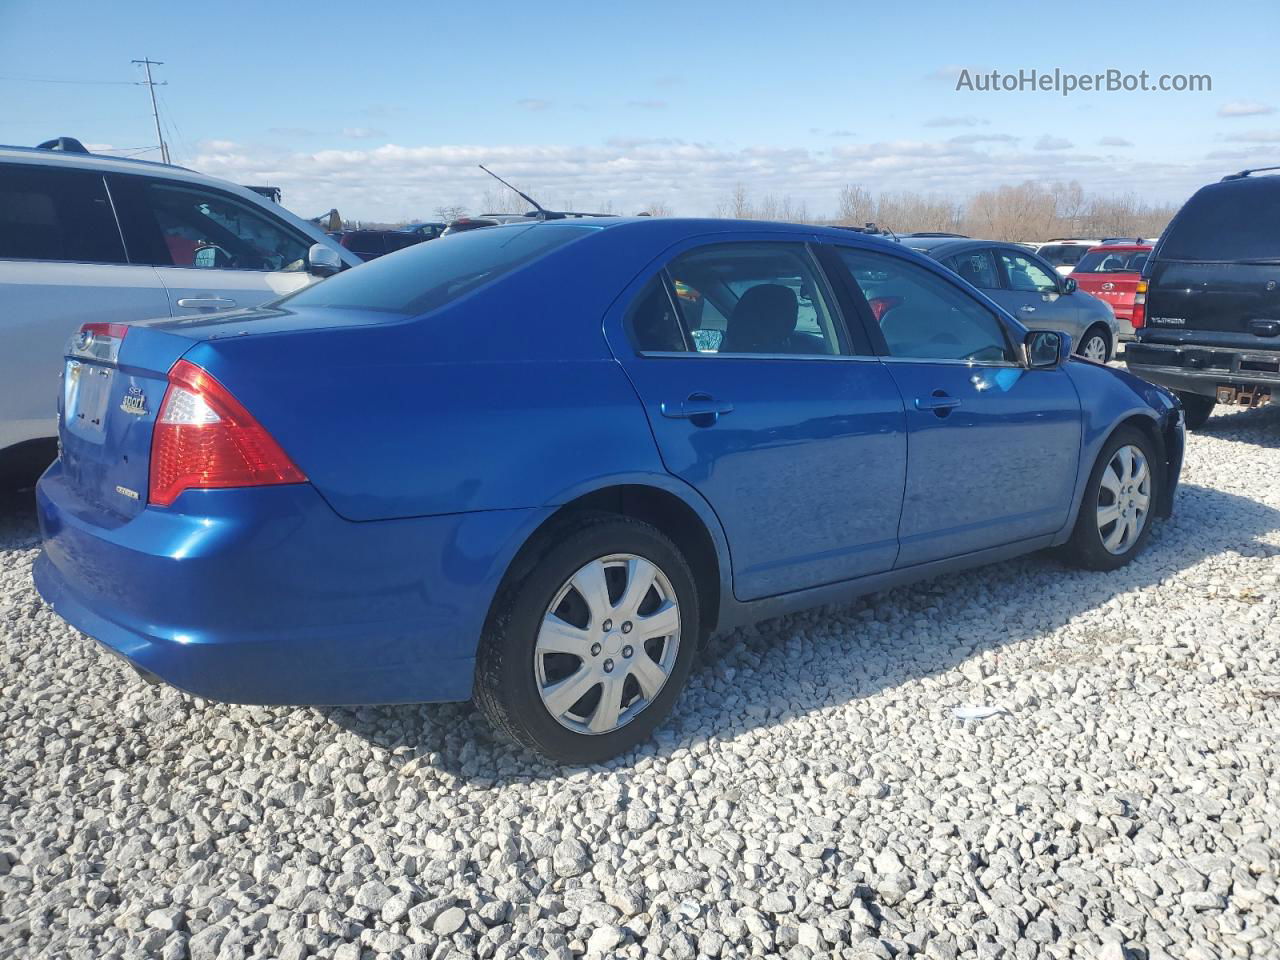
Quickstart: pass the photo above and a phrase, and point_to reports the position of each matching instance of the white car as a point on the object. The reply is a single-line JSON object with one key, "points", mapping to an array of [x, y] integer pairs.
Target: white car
{"points": [[92, 239], [1065, 254]]}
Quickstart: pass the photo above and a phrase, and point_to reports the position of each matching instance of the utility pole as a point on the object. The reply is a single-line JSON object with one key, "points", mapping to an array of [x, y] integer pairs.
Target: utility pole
{"points": [[155, 111]]}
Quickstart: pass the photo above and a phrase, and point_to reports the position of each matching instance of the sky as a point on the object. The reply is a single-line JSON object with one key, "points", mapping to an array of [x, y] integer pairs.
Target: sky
{"points": [[384, 109]]}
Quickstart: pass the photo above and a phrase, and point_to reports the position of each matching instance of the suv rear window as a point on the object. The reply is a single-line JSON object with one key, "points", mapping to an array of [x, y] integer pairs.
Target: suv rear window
{"points": [[1238, 220], [430, 275]]}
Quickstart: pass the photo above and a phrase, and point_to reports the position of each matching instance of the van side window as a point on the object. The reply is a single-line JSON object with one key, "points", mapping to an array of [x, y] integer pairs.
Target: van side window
{"points": [[62, 215]]}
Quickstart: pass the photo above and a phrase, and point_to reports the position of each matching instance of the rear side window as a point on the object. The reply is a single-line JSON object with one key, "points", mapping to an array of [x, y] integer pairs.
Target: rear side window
{"points": [[50, 214], [1232, 221], [978, 268], [652, 323], [430, 275]]}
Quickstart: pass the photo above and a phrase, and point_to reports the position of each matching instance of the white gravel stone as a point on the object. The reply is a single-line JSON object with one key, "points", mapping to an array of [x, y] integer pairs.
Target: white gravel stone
{"points": [[813, 794]]}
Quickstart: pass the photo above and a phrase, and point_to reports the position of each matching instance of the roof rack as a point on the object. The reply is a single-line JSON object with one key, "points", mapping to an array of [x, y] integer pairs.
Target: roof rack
{"points": [[1245, 173]]}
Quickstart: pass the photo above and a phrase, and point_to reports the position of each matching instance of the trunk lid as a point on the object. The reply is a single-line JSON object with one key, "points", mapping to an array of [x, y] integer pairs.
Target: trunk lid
{"points": [[113, 382]]}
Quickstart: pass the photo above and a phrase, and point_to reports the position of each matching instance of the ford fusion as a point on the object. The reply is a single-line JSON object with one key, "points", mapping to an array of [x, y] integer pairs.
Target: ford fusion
{"points": [[538, 464]]}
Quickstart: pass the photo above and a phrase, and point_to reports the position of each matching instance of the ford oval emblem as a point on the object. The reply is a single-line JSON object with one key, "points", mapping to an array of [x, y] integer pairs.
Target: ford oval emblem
{"points": [[1108, 285]]}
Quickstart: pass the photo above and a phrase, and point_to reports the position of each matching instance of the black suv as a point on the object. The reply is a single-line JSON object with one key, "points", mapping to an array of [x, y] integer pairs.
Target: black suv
{"points": [[1212, 287]]}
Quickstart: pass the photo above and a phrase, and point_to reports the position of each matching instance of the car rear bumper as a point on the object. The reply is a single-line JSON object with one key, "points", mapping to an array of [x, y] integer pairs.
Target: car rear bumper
{"points": [[267, 596], [1196, 369]]}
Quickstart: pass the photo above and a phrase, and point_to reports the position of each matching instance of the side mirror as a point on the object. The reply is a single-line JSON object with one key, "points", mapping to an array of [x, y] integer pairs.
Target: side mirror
{"points": [[1046, 349], [1069, 285], [323, 260]]}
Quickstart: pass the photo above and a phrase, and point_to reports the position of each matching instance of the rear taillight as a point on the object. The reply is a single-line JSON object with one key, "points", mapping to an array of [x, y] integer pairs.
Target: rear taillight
{"points": [[204, 438], [1139, 316]]}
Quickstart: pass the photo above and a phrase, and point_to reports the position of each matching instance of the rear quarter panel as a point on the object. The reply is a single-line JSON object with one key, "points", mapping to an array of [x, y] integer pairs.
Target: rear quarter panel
{"points": [[507, 398]]}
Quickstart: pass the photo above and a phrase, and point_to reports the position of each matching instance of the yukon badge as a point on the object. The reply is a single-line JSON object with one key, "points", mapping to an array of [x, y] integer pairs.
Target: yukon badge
{"points": [[134, 402]]}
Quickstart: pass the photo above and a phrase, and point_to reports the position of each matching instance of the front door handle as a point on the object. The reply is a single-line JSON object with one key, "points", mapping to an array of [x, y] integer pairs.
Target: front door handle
{"points": [[1027, 309], [696, 406], [207, 303], [939, 403]]}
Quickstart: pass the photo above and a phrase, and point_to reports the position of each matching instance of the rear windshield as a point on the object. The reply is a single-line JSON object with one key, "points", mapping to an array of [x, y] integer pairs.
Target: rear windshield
{"points": [[429, 275], [1112, 261], [1228, 222], [1063, 254]]}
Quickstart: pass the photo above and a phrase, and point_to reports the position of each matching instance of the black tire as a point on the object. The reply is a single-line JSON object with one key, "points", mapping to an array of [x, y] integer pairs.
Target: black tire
{"points": [[1086, 549], [1196, 408], [507, 687], [1101, 333]]}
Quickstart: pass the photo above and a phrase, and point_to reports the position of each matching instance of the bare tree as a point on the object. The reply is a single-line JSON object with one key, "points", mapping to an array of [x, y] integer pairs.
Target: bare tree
{"points": [[857, 206], [657, 208], [449, 213]]}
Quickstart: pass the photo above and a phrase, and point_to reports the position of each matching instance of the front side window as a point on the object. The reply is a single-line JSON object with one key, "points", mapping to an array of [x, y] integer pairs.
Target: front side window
{"points": [[49, 214], [212, 231], [921, 315], [754, 298], [1025, 275], [977, 268]]}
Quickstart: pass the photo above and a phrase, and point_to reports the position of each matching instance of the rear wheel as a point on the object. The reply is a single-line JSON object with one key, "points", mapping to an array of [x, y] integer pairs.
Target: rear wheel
{"points": [[1196, 408], [1095, 345], [586, 654], [1115, 515]]}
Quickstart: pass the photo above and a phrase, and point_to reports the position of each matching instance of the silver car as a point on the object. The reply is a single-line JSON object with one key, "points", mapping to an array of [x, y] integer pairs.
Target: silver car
{"points": [[1028, 287]]}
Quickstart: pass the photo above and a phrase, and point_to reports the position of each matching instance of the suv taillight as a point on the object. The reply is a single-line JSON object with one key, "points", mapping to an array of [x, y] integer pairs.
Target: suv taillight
{"points": [[204, 438], [1140, 306]]}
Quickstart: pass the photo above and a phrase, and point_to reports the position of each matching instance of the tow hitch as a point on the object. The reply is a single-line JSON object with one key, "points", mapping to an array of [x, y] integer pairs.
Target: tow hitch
{"points": [[1254, 395]]}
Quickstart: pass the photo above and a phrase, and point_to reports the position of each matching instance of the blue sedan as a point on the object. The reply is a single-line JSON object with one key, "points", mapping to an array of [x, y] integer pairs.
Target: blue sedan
{"points": [[539, 464]]}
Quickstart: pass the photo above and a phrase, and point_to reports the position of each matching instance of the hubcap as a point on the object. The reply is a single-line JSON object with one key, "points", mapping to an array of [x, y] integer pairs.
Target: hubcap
{"points": [[607, 643], [1124, 497], [1095, 348]]}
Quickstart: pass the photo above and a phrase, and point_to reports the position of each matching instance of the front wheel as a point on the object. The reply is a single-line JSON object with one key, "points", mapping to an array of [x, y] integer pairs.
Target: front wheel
{"points": [[1115, 515], [1196, 409], [588, 652], [1095, 345]]}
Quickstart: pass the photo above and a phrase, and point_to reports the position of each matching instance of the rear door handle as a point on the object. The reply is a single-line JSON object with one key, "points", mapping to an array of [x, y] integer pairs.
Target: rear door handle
{"points": [[1027, 309], [697, 405], [207, 303]]}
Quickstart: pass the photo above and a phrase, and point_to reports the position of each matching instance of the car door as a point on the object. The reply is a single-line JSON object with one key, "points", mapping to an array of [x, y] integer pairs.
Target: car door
{"points": [[1033, 292], [759, 399], [212, 250], [62, 264], [992, 446]]}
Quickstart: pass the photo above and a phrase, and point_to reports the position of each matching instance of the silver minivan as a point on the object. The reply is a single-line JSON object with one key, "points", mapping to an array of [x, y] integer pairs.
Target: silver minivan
{"points": [[87, 239]]}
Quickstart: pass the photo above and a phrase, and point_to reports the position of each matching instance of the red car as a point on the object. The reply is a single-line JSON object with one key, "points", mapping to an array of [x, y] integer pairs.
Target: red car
{"points": [[1111, 273]]}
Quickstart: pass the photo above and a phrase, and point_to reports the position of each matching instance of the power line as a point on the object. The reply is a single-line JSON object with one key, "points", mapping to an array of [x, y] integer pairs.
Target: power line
{"points": [[95, 83], [155, 110]]}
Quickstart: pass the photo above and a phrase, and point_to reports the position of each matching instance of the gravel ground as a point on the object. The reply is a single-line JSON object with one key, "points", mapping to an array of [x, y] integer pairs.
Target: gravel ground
{"points": [[814, 795]]}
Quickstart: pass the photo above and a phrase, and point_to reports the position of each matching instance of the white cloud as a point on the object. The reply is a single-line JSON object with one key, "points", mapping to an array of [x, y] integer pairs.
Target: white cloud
{"points": [[393, 182], [1245, 108], [361, 133], [1053, 143], [1115, 142], [984, 138], [533, 103], [965, 121], [1255, 136]]}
